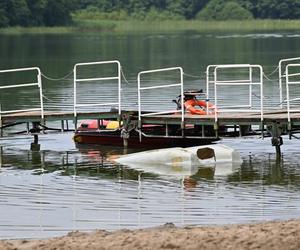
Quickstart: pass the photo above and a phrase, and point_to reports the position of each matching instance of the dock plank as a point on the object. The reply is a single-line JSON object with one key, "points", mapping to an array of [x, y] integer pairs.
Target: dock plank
{"points": [[223, 118]]}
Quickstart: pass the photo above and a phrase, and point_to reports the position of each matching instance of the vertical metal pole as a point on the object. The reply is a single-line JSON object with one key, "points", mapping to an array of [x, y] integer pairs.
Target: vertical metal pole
{"points": [[139, 107], [182, 103], [280, 84], [119, 88], [288, 100], [75, 101], [207, 88], [288, 93], [215, 89], [75, 90], [261, 93], [39, 76], [250, 86]]}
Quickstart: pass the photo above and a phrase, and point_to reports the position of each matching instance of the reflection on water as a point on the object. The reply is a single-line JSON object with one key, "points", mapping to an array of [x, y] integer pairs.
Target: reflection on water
{"points": [[62, 188], [50, 192]]}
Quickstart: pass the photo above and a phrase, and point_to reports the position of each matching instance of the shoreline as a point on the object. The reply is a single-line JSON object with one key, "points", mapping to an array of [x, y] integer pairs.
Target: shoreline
{"points": [[267, 235], [136, 26]]}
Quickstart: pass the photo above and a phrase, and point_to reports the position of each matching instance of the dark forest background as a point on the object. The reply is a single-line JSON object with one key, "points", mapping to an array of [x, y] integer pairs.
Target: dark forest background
{"points": [[63, 12]]}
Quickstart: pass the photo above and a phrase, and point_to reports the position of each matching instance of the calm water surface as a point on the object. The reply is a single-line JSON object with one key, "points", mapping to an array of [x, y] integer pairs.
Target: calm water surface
{"points": [[64, 188]]}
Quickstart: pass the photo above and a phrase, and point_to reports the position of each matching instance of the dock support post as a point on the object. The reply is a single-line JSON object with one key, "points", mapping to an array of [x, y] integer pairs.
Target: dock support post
{"points": [[216, 128], [1, 123], [275, 129], [125, 132], [62, 126], [1, 157], [75, 123], [35, 146], [183, 129], [289, 128]]}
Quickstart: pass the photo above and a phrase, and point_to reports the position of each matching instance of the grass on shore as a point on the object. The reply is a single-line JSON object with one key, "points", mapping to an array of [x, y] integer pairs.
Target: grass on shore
{"points": [[160, 26]]}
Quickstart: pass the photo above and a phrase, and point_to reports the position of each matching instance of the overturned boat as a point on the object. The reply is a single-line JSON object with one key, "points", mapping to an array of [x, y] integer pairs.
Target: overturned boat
{"points": [[182, 162]]}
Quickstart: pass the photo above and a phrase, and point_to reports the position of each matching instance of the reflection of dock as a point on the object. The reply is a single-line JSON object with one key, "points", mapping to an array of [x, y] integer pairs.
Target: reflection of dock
{"points": [[249, 109]]}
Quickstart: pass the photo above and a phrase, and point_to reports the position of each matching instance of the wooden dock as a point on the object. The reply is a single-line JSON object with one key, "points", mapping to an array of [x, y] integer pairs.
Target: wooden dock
{"points": [[239, 115], [269, 117]]}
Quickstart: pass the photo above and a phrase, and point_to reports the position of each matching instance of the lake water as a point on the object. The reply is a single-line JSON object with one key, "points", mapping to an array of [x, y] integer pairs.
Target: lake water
{"points": [[63, 188]]}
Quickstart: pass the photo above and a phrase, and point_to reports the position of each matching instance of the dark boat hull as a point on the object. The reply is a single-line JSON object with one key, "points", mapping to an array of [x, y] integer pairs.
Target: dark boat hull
{"points": [[114, 139]]}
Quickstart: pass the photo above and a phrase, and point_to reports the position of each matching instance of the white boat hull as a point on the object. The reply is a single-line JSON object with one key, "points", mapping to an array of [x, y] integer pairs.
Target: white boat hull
{"points": [[182, 162]]}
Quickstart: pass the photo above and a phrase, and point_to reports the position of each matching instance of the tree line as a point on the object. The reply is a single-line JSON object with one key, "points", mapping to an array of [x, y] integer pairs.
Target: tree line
{"points": [[62, 12]]}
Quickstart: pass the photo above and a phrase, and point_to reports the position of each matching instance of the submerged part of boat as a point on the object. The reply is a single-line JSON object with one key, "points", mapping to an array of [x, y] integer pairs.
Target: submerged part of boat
{"points": [[192, 156], [185, 163]]}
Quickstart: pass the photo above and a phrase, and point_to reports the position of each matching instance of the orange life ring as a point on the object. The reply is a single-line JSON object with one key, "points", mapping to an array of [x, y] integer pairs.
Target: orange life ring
{"points": [[190, 106]]}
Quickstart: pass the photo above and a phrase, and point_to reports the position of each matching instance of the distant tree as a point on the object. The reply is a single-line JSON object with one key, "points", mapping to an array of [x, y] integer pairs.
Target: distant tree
{"points": [[234, 11], [58, 12], [175, 7], [220, 10], [192, 7], [18, 12], [278, 9], [4, 22], [37, 9]]}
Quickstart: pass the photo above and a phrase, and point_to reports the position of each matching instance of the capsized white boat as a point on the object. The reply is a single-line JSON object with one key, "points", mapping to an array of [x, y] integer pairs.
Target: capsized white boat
{"points": [[183, 162], [192, 156]]}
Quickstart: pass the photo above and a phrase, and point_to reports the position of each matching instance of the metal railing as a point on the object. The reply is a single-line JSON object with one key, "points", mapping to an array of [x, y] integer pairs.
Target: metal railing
{"points": [[248, 81], [142, 89], [282, 76], [38, 83], [290, 81], [79, 80]]}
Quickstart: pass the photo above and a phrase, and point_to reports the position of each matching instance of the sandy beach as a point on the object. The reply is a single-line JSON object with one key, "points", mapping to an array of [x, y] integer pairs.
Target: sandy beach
{"points": [[270, 235]]}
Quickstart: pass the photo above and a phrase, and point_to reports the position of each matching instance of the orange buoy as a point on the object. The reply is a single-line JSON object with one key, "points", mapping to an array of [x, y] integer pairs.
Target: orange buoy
{"points": [[191, 105]]}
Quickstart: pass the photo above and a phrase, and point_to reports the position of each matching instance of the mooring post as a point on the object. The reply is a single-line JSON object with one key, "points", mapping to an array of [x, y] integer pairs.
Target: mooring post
{"points": [[216, 129], [75, 123], [183, 129], [125, 130], [67, 124], [275, 129], [35, 146], [1, 157], [62, 126], [1, 124]]}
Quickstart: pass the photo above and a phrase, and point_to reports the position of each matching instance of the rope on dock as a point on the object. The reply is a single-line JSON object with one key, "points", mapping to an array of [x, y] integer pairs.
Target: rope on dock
{"points": [[58, 79], [189, 75], [268, 78], [274, 71], [124, 77], [48, 99]]}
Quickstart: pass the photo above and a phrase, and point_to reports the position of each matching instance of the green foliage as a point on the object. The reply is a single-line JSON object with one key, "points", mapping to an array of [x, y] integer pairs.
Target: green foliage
{"points": [[58, 12], [3, 19], [37, 9], [94, 25], [278, 9], [156, 15], [233, 11], [220, 10], [18, 12], [93, 13]]}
